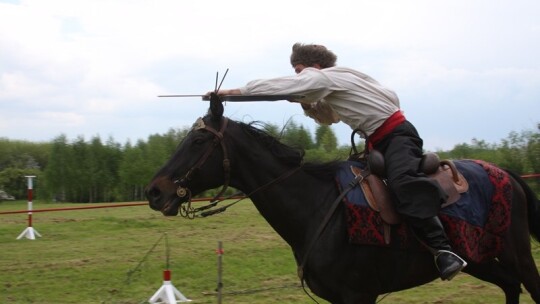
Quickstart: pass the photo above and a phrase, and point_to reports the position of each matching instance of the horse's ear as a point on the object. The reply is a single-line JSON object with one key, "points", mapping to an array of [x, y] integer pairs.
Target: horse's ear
{"points": [[216, 106]]}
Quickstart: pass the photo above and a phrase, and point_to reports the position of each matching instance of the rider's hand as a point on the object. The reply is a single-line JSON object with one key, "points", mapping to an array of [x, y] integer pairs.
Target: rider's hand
{"points": [[226, 92]]}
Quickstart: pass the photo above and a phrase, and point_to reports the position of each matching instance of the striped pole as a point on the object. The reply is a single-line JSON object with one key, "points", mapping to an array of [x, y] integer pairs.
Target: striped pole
{"points": [[30, 233]]}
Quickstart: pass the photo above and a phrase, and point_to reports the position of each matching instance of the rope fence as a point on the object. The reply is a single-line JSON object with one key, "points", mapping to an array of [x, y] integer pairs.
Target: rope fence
{"points": [[102, 206]]}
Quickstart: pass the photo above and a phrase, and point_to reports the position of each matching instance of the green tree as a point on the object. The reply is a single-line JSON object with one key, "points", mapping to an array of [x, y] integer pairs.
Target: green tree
{"points": [[320, 131], [13, 181], [133, 172], [140, 162], [297, 136], [58, 174], [23, 154], [102, 163], [533, 151], [513, 152], [79, 191], [18, 159], [113, 157], [325, 138], [478, 149]]}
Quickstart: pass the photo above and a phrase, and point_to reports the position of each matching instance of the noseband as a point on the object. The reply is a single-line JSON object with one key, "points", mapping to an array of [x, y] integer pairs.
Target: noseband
{"points": [[182, 191]]}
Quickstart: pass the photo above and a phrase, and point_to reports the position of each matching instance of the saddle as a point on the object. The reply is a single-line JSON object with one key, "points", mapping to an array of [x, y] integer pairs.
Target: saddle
{"points": [[378, 194]]}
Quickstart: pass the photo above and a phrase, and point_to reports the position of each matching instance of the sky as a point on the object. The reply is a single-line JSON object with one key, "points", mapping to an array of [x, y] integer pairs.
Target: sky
{"points": [[463, 69]]}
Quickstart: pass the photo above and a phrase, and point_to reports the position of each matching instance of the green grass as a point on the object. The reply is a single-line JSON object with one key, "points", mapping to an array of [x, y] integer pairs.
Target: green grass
{"points": [[105, 256]]}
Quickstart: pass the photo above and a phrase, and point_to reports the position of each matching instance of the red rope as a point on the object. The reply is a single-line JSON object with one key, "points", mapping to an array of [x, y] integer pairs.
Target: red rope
{"points": [[95, 207]]}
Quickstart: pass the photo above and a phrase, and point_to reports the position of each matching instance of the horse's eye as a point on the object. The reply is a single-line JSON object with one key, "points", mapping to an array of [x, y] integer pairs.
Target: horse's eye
{"points": [[198, 140], [201, 137]]}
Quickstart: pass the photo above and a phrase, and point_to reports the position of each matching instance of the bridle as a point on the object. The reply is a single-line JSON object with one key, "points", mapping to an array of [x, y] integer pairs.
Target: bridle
{"points": [[183, 191]]}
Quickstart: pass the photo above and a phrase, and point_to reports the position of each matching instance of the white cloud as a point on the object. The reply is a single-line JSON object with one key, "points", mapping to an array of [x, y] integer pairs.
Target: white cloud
{"points": [[62, 118], [101, 64]]}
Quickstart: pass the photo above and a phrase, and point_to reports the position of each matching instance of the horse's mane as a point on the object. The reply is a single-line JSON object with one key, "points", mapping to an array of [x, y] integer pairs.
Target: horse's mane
{"points": [[289, 155]]}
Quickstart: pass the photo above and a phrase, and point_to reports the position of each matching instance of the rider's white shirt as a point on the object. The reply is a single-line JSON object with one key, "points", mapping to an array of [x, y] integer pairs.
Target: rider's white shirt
{"points": [[335, 94]]}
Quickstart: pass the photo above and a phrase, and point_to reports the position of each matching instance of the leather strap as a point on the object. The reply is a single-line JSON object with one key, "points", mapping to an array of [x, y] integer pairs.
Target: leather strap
{"points": [[324, 223]]}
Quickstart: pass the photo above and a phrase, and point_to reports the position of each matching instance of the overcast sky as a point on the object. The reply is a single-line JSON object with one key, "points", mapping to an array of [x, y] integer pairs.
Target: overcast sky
{"points": [[463, 69]]}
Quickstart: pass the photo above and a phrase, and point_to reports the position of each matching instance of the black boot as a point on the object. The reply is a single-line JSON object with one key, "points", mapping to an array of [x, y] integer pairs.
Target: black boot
{"points": [[431, 232]]}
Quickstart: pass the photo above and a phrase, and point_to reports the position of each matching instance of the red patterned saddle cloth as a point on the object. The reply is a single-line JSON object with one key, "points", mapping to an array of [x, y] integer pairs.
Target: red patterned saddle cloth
{"points": [[475, 224]]}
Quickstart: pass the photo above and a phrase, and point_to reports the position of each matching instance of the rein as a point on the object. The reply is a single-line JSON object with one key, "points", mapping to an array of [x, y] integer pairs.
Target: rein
{"points": [[224, 208]]}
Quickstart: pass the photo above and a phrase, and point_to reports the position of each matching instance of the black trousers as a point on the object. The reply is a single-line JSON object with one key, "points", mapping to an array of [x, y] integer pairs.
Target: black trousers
{"points": [[417, 196]]}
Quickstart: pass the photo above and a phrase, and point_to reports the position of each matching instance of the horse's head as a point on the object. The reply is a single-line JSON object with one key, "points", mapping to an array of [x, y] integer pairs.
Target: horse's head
{"points": [[220, 152], [201, 153]]}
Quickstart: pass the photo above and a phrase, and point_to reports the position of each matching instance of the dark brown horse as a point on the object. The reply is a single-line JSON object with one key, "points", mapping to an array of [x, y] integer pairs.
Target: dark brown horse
{"points": [[295, 197]]}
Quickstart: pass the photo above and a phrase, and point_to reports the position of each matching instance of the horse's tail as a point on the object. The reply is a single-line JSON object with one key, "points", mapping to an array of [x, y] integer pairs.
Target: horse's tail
{"points": [[533, 206]]}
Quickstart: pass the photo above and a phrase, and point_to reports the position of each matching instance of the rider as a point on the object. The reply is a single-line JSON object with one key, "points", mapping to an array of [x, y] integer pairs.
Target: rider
{"points": [[333, 94]]}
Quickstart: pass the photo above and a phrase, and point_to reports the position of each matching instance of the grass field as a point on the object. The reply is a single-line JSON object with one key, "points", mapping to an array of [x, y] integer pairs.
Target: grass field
{"points": [[106, 256]]}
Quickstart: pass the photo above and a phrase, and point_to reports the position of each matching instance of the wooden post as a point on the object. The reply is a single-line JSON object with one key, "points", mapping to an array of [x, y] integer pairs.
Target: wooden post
{"points": [[219, 252]]}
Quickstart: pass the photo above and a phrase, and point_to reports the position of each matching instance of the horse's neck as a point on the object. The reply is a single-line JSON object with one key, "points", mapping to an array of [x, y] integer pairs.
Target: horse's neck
{"points": [[295, 205]]}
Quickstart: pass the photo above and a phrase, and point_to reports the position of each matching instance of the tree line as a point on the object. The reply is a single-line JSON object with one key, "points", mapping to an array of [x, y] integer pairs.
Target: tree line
{"points": [[106, 171]]}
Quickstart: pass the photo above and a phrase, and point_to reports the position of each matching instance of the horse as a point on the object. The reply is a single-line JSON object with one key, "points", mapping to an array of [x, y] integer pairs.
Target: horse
{"points": [[296, 197]]}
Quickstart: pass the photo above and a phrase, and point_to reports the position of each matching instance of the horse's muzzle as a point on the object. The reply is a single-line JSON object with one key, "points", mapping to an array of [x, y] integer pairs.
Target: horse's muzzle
{"points": [[153, 195], [167, 204]]}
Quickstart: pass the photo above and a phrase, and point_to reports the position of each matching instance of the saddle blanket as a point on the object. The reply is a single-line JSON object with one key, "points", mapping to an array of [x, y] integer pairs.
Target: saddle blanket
{"points": [[475, 224]]}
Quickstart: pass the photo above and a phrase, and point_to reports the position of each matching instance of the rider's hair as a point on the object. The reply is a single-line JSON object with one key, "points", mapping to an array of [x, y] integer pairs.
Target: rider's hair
{"points": [[310, 54]]}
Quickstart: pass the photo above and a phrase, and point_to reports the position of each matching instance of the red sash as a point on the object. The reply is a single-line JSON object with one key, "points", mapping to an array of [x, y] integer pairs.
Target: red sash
{"points": [[388, 126]]}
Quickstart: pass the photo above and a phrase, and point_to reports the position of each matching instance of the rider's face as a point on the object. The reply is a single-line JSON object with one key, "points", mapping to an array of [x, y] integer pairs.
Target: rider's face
{"points": [[299, 68]]}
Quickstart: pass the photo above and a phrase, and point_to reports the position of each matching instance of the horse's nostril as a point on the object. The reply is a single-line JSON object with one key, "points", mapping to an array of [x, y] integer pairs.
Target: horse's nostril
{"points": [[153, 193]]}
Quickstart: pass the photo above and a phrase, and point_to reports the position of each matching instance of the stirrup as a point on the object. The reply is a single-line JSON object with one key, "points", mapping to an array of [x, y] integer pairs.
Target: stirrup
{"points": [[463, 263]]}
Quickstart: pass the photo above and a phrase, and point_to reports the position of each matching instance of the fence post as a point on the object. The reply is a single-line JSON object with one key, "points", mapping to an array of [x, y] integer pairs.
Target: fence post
{"points": [[219, 252]]}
